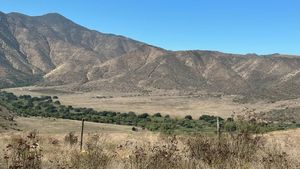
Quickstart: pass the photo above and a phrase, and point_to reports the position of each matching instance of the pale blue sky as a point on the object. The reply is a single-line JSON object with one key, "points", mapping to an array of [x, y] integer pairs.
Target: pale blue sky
{"points": [[236, 26]]}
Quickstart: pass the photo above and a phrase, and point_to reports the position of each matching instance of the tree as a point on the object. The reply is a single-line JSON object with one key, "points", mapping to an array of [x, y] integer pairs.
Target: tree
{"points": [[144, 115], [188, 117], [57, 102], [210, 119], [157, 115]]}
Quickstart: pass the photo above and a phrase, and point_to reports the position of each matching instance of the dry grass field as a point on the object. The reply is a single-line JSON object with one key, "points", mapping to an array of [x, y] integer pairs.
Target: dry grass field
{"points": [[127, 149], [129, 145], [172, 104], [288, 140], [51, 134], [60, 127]]}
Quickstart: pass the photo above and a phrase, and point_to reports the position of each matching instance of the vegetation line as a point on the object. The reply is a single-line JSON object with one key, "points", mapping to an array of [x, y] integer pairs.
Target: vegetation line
{"points": [[47, 106]]}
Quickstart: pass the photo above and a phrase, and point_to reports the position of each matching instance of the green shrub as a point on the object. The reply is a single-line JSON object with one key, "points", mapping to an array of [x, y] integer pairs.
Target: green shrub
{"points": [[144, 115], [210, 119], [188, 117], [157, 115]]}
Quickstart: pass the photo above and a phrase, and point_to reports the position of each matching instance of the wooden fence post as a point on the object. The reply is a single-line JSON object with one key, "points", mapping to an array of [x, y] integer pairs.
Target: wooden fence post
{"points": [[81, 138], [218, 128]]}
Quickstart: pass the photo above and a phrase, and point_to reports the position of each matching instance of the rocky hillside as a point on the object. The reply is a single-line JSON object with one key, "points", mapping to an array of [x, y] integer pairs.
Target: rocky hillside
{"points": [[52, 50]]}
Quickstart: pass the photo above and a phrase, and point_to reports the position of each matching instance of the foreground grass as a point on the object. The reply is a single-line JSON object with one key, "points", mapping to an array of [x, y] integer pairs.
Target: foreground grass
{"points": [[238, 151]]}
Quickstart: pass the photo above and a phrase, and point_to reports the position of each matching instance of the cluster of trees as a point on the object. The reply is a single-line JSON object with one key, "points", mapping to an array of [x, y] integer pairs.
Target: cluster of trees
{"points": [[47, 106]]}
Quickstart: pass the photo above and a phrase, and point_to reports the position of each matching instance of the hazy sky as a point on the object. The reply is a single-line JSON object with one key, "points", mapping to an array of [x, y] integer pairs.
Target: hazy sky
{"points": [[237, 26]]}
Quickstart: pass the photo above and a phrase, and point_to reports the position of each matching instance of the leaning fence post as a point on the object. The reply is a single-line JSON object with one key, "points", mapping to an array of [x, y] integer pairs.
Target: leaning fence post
{"points": [[218, 128], [81, 138]]}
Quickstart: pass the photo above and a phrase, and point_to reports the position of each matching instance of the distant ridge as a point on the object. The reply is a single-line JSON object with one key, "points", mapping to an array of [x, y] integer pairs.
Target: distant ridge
{"points": [[52, 50]]}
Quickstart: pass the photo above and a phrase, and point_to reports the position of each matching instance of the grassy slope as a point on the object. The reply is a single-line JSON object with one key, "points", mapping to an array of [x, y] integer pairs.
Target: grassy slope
{"points": [[63, 126], [58, 128]]}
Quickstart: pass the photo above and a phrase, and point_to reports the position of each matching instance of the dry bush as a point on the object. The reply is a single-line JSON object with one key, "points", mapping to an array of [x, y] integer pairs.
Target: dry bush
{"points": [[23, 152], [236, 151], [275, 158], [71, 139], [164, 155], [230, 151], [53, 141], [59, 158], [93, 157]]}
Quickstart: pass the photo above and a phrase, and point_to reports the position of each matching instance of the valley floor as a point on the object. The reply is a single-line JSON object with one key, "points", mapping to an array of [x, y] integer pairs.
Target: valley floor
{"points": [[125, 143], [60, 127], [166, 103], [287, 139]]}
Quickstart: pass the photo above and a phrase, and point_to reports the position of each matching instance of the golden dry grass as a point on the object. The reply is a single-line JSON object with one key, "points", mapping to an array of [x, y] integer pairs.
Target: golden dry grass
{"points": [[50, 129], [114, 135], [174, 105], [288, 141], [60, 127]]}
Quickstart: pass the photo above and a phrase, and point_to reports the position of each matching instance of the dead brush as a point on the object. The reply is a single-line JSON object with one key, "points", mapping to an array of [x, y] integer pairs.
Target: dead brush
{"points": [[93, 156], [275, 158], [71, 139], [228, 151], [137, 159], [165, 155], [23, 152], [53, 141]]}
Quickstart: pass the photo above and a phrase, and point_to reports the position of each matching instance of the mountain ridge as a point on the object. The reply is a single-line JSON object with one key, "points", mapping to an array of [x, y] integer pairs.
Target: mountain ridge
{"points": [[53, 50]]}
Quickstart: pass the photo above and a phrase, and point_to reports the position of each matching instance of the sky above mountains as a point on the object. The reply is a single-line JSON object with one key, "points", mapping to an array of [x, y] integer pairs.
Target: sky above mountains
{"points": [[235, 26]]}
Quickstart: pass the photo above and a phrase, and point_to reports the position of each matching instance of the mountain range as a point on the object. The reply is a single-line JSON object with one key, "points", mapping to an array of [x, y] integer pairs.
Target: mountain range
{"points": [[51, 50]]}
